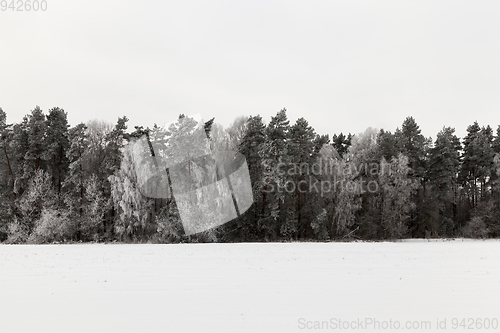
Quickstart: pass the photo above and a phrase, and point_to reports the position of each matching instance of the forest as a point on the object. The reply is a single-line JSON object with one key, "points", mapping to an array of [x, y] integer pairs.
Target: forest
{"points": [[67, 184]]}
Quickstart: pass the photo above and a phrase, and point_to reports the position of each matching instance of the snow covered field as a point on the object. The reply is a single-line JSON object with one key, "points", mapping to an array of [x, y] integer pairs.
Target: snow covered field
{"points": [[247, 287]]}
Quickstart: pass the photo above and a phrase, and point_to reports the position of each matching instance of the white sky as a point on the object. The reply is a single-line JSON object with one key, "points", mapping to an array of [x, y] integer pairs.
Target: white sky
{"points": [[343, 65]]}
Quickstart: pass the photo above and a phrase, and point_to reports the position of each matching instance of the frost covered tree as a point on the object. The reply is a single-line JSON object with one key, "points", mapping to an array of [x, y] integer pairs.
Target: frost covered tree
{"points": [[328, 160], [133, 221], [494, 216], [75, 181], [38, 196], [92, 226], [397, 189], [347, 200], [362, 168], [236, 131], [415, 146]]}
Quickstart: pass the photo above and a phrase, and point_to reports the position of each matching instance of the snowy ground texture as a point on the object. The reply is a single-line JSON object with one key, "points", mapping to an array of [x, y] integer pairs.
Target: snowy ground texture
{"points": [[247, 287]]}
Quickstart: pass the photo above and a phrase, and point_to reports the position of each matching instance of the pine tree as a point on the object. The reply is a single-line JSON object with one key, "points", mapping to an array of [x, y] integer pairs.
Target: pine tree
{"points": [[301, 148], [275, 161], [57, 144], [20, 145], [341, 143], [7, 195], [477, 162], [413, 145], [387, 145], [5, 139], [115, 141], [493, 220], [496, 142], [251, 145], [37, 132], [444, 164], [319, 142]]}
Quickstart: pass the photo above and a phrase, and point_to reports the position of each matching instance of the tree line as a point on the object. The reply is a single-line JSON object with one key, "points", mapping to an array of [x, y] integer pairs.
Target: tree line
{"points": [[69, 184]]}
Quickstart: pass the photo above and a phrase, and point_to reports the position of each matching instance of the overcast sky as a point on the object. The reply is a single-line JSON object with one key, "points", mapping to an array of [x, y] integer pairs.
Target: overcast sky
{"points": [[342, 65]]}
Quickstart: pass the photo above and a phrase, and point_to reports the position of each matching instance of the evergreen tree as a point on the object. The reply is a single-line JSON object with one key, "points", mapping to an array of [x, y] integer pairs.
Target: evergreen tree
{"points": [[115, 141], [477, 162], [444, 164], [87, 182], [77, 175], [251, 146], [300, 148], [413, 145], [5, 140], [37, 132], [20, 144], [387, 145], [493, 215], [275, 161], [341, 143], [57, 144], [7, 195], [496, 142]]}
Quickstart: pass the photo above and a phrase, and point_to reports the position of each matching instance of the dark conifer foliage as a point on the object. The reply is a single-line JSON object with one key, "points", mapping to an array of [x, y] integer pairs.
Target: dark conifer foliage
{"points": [[341, 143], [57, 144], [62, 183], [442, 172]]}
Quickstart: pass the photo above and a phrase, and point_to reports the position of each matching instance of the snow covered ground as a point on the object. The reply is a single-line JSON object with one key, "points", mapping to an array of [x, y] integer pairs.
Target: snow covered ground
{"points": [[247, 287]]}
